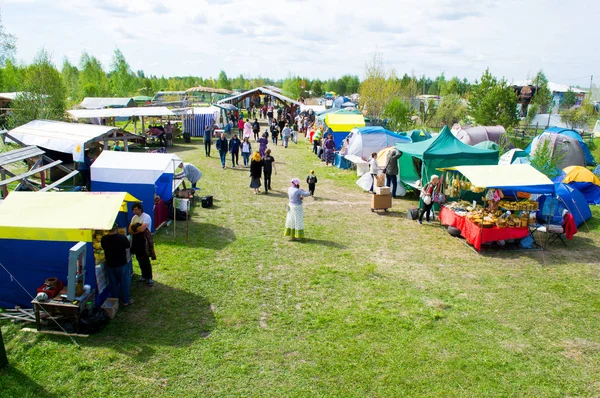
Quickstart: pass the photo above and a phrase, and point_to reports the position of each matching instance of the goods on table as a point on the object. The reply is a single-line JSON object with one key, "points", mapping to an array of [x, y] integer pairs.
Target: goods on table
{"points": [[528, 205], [98, 252], [488, 218]]}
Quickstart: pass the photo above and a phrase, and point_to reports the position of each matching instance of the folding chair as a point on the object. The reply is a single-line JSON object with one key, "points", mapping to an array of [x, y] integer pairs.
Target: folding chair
{"points": [[555, 231]]}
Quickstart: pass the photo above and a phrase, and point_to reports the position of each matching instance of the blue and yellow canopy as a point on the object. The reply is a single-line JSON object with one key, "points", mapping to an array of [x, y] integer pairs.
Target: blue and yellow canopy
{"points": [[60, 216]]}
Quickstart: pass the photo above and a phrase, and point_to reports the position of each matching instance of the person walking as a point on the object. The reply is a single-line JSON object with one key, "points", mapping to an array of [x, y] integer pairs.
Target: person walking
{"points": [[427, 198], [286, 132], [268, 168], [263, 142], [311, 180], [256, 165], [142, 244], [391, 170], [207, 140], [274, 133], [255, 129], [115, 247], [248, 129], [373, 169], [294, 221], [234, 149], [240, 125], [329, 146], [246, 151], [222, 148]]}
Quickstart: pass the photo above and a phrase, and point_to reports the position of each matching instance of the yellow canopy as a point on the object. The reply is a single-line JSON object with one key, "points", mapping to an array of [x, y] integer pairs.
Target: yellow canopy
{"points": [[60, 216], [579, 174], [341, 123]]}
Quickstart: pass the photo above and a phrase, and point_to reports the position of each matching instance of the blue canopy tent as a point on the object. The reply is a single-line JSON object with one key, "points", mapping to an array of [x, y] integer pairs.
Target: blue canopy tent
{"points": [[37, 229], [141, 174]]}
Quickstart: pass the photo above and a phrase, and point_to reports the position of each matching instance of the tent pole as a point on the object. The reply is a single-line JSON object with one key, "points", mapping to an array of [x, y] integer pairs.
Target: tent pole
{"points": [[134, 125]]}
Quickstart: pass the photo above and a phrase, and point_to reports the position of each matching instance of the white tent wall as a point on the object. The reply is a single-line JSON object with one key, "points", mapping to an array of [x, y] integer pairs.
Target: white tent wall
{"points": [[363, 145], [133, 167]]}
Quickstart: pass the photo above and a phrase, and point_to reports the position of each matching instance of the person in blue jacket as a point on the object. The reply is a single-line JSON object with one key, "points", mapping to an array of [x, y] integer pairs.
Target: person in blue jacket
{"points": [[222, 147], [234, 149]]}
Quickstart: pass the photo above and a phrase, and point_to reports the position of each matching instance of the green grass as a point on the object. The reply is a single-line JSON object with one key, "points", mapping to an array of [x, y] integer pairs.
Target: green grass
{"points": [[369, 305]]}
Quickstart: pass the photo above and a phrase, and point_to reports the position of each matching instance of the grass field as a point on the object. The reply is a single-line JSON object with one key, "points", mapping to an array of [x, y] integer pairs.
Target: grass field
{"points": [[368, 305]]}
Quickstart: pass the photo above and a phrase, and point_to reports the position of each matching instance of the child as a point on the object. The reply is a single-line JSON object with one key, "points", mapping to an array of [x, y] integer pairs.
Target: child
{"points": [[311, 180]]}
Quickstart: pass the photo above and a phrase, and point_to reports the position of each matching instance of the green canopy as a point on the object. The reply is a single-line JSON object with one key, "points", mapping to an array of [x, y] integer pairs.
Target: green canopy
{"points": [[487, 145], [445, 150], [142, 99]]}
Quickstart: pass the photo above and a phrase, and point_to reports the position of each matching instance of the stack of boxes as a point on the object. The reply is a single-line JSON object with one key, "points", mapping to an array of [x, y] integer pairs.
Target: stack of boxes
{"points": [[382, 198]]}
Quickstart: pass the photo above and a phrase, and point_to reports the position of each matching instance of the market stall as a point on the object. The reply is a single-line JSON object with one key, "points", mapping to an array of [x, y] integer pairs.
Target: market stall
{"points": [[501, 212], [144, 175], [37, 232]]}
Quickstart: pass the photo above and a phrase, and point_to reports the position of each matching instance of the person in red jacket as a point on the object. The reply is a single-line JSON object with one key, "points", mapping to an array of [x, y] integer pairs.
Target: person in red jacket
{"points": [[241, 126]]}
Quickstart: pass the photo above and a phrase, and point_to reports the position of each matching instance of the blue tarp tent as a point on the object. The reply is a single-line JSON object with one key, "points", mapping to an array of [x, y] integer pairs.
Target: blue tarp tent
{"points": [[37, 229], [141, 174], [566, 198]]}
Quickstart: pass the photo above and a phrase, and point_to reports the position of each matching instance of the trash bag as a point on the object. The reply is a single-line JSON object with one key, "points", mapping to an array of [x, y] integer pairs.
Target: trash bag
{"points": [[92, 321]]}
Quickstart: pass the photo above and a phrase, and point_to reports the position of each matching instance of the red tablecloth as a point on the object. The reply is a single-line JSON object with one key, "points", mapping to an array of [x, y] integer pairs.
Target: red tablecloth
{"points": [[161, 213], [476, 235]]}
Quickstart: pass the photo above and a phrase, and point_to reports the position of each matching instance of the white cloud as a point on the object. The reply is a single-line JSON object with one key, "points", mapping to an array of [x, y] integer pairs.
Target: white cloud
{"points": [[313, 38]]}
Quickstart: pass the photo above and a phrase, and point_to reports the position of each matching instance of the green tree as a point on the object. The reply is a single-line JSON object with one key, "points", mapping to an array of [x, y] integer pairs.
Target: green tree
{"points": [[223, 81], [122, 80], [70, 77], [581, 117], [398, 114], [317, 88], [239, 82], [546, 160], [378, 88], [92, 78], [451, 110], [292, 87], [543, 96], [8, 45], [43, 94], [493, 101], [12, 77], [569, 99]]}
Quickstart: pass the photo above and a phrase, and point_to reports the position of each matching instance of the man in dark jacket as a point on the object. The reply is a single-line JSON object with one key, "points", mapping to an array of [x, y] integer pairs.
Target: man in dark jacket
{"points": [[115, 247], [391, 170], [255, 129], [234, 149]]}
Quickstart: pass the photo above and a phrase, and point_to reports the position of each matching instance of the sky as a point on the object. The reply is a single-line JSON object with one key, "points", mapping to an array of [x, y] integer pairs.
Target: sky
{"points": [[317, 38]]}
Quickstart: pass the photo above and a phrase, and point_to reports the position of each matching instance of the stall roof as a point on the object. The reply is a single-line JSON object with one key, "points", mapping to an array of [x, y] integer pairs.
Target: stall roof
{"points": [[121, 112], [260, 90], [201, 89], [513, 177], [60, 216], [340, 122], [133, 166], [99, 103], [65, 137]]}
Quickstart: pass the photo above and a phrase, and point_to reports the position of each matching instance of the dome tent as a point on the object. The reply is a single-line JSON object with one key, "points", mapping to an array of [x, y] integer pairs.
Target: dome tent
{"points": [[366, 140], [584, 181], [566, 198], [575, 151], [472, 135]]}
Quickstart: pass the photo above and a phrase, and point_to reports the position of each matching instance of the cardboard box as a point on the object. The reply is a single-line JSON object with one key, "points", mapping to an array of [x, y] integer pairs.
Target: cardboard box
{"points": [[381, 201], [382, 190], [111, 306]]}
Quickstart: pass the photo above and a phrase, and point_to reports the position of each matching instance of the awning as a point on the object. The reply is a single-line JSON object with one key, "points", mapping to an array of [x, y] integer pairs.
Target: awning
{"points": [[227, 107], [60, 216], [121, 112], [340, 123], [514, 177]]}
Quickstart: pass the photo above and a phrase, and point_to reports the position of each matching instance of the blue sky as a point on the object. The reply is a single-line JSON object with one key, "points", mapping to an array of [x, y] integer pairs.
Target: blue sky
{"points": [[320, 39]]}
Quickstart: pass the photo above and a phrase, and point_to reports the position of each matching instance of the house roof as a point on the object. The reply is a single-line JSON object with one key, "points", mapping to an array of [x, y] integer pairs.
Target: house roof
{"points": [[121, 112], [260, 90], [553, 87], [99, 103]]}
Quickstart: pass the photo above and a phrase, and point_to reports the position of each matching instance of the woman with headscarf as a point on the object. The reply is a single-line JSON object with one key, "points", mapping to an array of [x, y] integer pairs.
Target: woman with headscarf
{"points": [[294, 222], [427, 198], [256, 165]]}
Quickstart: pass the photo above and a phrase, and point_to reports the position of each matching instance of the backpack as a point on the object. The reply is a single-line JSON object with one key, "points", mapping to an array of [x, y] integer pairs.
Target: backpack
{"points": [[312, 179], [255, 126]]}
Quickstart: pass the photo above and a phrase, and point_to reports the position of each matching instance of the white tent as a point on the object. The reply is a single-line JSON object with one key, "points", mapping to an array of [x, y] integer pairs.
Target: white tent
{"points": [[67, 137], [121, 112], [366, 140]]}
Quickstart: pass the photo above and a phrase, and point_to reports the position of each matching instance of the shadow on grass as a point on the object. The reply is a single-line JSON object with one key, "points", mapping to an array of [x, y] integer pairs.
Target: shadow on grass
{"points": [[322, 242], [209, 236], [161, 316], [19, 384]]}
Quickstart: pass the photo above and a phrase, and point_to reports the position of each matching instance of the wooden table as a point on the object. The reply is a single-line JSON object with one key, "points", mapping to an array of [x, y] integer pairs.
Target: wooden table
{"points": [[59, 309]]}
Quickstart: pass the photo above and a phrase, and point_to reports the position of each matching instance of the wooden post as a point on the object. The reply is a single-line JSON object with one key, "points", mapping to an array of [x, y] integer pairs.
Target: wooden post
{"points": [[3, 357], [135, 125]]}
